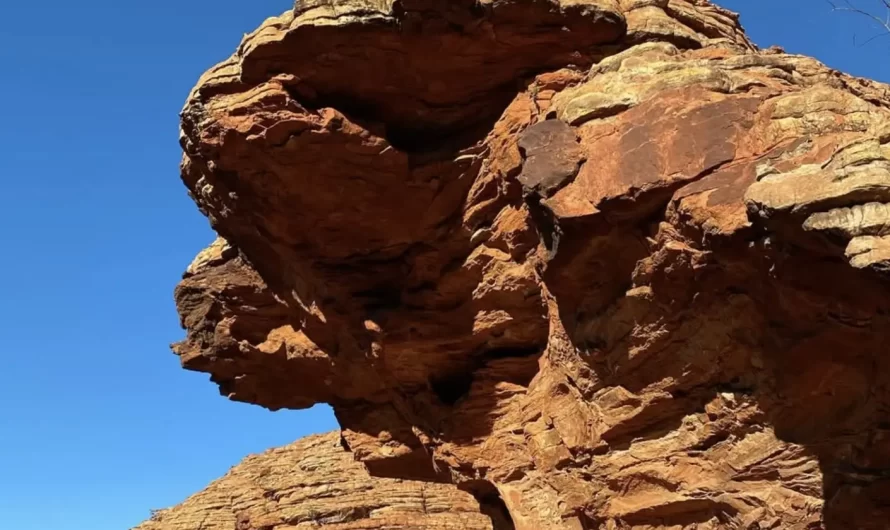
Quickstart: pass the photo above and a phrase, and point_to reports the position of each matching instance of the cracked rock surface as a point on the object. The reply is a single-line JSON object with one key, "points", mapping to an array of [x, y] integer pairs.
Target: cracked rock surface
{"points": [[603, 263]]}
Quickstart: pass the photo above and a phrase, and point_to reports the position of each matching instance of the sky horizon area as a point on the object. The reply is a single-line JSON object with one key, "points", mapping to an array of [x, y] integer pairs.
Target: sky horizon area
{"points": [[98, 423]]}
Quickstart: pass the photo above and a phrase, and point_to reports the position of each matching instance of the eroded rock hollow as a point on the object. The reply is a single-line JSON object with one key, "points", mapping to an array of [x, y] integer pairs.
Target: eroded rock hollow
{"points": [[562, 264]]}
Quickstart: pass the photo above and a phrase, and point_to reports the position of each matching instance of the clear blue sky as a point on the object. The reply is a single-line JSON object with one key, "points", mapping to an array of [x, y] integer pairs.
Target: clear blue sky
{"points": [[97, 422]]}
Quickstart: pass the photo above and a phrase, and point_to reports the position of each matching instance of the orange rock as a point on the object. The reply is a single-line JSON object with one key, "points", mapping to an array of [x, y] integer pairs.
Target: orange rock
{"points": [[314, 483], [603, 260]]}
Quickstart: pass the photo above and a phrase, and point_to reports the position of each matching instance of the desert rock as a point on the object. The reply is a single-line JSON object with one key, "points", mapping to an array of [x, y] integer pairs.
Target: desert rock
{"points": [[604, 257], [314, 483]]}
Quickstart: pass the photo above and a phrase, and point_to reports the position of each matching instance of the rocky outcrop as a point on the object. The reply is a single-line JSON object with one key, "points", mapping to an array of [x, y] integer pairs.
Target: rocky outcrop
{"points": [[603, 257], [314, 483]]}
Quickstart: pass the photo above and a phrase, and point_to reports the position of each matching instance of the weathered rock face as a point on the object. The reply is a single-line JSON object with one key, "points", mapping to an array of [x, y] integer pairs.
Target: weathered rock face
{"points": [[314, 483], [604, 257]]}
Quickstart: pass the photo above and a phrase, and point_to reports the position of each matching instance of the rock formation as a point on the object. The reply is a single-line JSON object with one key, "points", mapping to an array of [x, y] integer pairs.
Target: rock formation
{"points": [[603, 258], [314, 483]]}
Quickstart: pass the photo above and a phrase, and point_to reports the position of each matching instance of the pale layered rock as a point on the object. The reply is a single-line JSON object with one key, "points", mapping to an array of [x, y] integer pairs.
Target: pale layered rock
{"points": [[314, 483]]}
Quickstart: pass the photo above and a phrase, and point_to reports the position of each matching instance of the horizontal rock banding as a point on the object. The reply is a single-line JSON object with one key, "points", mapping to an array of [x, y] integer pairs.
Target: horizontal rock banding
{"points": [[603, 256]]}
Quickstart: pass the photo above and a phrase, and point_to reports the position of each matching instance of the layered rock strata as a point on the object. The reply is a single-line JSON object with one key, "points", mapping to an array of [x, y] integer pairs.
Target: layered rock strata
{"points": [[605, 258]]}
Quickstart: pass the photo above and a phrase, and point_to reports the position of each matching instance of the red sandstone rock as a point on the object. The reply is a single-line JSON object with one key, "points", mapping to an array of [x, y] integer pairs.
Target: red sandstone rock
{"points": [[603, 257], [314, 483]]}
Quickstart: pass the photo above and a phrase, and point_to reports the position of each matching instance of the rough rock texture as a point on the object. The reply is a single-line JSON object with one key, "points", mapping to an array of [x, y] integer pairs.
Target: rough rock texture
{"points": [[314, 483], [604, 257]]}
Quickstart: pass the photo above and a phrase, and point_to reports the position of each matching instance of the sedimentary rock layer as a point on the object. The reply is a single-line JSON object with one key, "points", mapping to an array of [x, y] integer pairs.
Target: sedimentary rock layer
{"points": [[605, 257], [314, 483]]}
